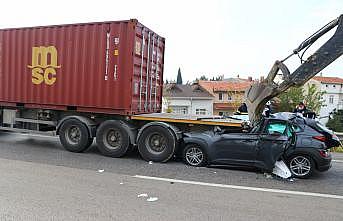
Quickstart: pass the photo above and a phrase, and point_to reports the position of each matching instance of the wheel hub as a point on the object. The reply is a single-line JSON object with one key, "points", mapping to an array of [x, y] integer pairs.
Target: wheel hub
{"points": [[300, 166], [194, 156], [156, 143], [74, 134], [113, 140]]}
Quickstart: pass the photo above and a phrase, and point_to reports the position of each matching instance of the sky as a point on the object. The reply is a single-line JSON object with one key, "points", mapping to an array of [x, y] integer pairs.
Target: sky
{"points": [[211, 38]]}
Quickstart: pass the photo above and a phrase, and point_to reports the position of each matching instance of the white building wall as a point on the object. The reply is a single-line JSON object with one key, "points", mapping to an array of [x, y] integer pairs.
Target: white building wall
{"points": [[202, 104], [331, 90], [191, 103], [336, 92]]}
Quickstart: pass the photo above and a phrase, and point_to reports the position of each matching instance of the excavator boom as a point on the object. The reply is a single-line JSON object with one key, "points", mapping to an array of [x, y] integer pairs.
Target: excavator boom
{"points": [[261, 92]]}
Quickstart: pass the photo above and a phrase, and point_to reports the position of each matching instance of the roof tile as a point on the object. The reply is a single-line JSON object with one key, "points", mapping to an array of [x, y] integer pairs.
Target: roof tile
{"points": [[183, 90], [329, 80], [224, 86]]}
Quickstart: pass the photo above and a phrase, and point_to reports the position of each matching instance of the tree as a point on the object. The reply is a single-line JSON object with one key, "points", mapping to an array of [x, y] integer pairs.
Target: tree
{"points": [[203, 78], [179, 77], [336, 122], [311, 97], [166, 102], [219, 78], [290, 98], [314, 98]]}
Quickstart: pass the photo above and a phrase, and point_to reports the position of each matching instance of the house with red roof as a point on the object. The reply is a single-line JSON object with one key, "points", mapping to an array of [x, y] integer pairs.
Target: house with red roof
{"points": [[228, 94], [187, 99], [333, 97]]}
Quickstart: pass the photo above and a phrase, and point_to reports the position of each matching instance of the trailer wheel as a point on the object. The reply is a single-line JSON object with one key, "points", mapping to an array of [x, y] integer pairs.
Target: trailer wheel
{"points": [[74, 136], [112, 139], [157, 143]]}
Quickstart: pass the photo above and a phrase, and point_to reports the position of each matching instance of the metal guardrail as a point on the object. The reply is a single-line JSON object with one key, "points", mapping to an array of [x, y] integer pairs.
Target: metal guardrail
{"points": [[339, 135]]}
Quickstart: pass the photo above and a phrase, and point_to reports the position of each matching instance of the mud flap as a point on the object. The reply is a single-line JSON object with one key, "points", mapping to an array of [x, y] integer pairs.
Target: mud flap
{"points": [[280, 169]]}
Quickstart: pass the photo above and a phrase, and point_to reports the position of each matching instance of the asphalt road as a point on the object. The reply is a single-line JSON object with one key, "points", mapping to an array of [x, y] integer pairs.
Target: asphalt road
{"points": [[41, 181]]}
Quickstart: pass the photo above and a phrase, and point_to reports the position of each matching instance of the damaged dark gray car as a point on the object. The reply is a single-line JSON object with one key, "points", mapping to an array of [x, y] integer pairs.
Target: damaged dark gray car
{"points": [[272, 146]]}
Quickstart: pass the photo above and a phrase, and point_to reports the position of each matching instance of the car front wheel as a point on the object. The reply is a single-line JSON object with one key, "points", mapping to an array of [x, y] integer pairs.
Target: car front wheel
{"points": [[301, 166], [194, 155]]}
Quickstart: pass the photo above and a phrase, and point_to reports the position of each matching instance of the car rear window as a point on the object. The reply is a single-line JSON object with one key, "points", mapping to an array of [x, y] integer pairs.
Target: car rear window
{"points": [[323, 128], [317, 126]]}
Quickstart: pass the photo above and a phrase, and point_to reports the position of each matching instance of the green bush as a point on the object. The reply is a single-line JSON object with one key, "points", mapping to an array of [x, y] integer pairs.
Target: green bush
{"points": [[336, 122], [337, 149]]}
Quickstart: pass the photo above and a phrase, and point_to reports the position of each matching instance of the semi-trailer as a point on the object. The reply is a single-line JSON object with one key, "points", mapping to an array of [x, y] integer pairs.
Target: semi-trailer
{"points": [[100, 80]]}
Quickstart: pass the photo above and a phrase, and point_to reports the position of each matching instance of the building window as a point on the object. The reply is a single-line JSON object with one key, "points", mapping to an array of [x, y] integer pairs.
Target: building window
{"points": [[200, 111], [179, 109], [220, 96], [229, 98], [220, 113], [334, 85], [331, 99], [326, 85]]}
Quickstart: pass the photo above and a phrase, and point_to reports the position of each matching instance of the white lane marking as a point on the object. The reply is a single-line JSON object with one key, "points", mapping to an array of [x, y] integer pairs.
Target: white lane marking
{"points": [[291, 192], [337, 161]]}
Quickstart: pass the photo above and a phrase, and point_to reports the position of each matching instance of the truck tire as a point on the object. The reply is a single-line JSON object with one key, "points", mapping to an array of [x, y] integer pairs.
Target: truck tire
{"points": [[74, 136], [112, 139], [157, 143]]}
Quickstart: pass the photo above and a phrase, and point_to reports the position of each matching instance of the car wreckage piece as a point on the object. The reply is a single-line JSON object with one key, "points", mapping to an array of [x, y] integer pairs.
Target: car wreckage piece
{"points": [[280, 169], [261, 92]]}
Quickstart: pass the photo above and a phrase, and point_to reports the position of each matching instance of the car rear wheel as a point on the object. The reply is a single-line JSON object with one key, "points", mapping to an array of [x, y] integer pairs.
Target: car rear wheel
{"points": [[194, 155], [301, 166]]}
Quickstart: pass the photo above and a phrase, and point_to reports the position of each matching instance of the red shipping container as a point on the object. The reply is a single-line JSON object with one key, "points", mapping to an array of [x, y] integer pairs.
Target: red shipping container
{"points": [[106, 67]]}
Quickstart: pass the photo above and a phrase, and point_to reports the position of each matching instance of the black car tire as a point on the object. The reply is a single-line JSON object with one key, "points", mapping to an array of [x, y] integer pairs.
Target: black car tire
{"points": [[157, 143], [301, 166], [74, 136], [194, 155], [112, 139]]}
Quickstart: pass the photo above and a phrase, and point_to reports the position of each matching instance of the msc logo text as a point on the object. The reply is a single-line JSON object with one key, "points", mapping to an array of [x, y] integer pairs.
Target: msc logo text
{"points": [[44, 65]]}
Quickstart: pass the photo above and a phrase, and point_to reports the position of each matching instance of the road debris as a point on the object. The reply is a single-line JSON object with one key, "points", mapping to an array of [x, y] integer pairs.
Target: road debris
{"points": [[281, 170], [100, 171], [152, 199], [142, 195], [121, 183], [267, 175], [150, 162], [291, 179]]}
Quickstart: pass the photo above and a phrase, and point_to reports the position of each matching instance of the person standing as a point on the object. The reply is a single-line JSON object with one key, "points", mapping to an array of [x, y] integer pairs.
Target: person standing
{"points": [[243, 108], [300, 108]]}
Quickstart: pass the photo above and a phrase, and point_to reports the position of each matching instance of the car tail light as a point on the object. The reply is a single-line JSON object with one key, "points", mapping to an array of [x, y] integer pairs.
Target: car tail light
{"points": [[320, 138], [324, 153]]}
